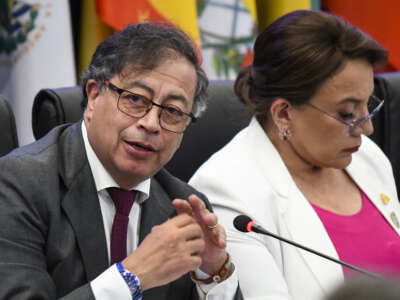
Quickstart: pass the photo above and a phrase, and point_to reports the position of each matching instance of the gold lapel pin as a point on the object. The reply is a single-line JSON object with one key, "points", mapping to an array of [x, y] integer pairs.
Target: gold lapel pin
{"points": [[385, 199], [394, 219]]}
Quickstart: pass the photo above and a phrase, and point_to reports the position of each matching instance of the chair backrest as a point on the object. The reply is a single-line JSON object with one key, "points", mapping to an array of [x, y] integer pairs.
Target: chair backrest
{"points": [[387, 125], [8, 132], [224, 117], [53, 107]]}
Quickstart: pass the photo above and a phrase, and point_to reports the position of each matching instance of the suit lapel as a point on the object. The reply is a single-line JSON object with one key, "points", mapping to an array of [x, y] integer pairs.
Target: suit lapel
{"points": [[81, 203], [82, 207], [155, 211]]}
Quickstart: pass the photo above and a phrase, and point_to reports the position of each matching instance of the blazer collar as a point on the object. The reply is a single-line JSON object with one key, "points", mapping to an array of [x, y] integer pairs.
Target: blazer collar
{"points": [[363, 172], [268, 159], [81, 203], [302, 223], [305, 227], [300, 219]]}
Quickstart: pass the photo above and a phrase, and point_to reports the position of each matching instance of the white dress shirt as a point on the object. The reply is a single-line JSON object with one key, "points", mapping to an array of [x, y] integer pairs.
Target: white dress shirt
{"points": [[110, 285]]}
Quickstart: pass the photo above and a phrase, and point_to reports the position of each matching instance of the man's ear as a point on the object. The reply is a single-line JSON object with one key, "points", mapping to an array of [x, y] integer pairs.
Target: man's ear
{"points": [[92, 92], [281, 112]]}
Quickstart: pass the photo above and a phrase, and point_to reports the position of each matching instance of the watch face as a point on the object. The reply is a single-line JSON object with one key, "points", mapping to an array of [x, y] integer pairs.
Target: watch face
{"points": [[132, 281]]}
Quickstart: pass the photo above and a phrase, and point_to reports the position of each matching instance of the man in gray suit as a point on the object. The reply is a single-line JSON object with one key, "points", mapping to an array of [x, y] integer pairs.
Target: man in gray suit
{"points": [[60, 232]]}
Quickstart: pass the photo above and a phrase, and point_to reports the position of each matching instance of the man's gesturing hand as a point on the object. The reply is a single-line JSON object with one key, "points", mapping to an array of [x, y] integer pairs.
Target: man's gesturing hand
{"points": [[214, 254], [169, 251]]}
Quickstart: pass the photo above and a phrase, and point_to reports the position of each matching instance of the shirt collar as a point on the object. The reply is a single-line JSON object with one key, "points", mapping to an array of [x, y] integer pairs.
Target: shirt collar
{"points": [[102, 178]]}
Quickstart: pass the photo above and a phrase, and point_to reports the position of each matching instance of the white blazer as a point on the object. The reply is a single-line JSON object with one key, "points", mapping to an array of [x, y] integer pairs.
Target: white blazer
{"points": [[249, 177]]}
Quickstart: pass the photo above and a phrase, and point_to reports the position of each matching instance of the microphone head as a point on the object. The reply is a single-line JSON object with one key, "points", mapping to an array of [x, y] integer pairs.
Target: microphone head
{"points": [[241, 222]]}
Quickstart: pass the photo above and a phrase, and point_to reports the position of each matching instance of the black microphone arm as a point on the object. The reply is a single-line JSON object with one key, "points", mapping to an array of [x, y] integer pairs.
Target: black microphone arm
{"points": [[243, 222]]}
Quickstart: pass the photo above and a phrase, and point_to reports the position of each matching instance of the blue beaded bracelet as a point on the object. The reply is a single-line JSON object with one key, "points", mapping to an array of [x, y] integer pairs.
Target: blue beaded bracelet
{"points": [[132, 281]]}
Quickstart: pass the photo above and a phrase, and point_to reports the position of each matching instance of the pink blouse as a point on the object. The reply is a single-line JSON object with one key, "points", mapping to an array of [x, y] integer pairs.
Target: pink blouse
{"points": [[365, 239]]}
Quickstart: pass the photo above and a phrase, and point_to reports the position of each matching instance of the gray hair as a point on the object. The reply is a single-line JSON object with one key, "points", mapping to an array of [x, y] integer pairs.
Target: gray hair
{"points": [[142, 47]]}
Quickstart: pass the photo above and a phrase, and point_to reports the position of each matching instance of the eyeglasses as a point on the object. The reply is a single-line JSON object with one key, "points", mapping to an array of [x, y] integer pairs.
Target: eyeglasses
{"points": [[374, 105], [134, 105]]}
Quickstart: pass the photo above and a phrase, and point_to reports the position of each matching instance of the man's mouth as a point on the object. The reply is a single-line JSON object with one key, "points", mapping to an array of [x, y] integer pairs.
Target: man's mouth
{"points": [[142, 146]]}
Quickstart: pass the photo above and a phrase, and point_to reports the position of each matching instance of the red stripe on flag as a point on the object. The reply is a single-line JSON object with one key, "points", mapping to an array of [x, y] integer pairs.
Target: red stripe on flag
{"points": [[120, 13]]}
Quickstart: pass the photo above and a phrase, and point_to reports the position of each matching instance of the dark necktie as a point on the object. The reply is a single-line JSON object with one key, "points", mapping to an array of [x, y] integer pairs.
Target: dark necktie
{"points": [[123, 201]]}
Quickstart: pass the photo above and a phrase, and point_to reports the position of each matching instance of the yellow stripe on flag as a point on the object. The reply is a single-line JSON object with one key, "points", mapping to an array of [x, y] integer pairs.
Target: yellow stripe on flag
{"points": [[180, 13], [270, 10], [93, 31], [251, 7]]}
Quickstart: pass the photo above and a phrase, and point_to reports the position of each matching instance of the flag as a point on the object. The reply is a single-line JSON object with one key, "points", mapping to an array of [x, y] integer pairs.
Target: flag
{"points": [[119, 13], [92, 32], [36, 52], [379, 19], [270, 10], [227, 30]]}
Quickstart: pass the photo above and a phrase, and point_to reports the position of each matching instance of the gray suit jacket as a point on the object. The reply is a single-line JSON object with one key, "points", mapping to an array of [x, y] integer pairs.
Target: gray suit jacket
{"points": [[52, 240]]}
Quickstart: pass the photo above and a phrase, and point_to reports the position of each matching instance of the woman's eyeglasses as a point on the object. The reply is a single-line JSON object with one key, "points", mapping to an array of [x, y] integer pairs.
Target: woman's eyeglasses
{"points": [[374, 105]]}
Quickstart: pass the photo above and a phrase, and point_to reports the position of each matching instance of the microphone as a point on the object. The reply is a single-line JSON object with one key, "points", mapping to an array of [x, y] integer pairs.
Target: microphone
{"points": [[243, 223]]}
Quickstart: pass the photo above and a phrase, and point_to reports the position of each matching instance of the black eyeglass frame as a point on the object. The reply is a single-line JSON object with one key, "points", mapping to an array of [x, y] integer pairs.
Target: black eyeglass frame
{"points": [[119, 91]]}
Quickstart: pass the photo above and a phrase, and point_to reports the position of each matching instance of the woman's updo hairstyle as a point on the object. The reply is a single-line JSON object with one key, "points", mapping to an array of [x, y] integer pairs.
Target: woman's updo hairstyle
{"points": [[296, 54]]}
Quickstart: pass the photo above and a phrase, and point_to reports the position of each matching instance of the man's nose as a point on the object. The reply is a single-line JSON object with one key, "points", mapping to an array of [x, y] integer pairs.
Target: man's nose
{"points": [[151, 120]]}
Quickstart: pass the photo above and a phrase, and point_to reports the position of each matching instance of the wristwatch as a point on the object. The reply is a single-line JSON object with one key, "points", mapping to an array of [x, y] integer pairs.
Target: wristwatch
{"points": [[132, 281], [223, 273]]}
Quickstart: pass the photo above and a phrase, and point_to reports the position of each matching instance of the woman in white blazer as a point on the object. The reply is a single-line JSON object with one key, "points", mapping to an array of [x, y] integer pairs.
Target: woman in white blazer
{"points": [[304, 168]]}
